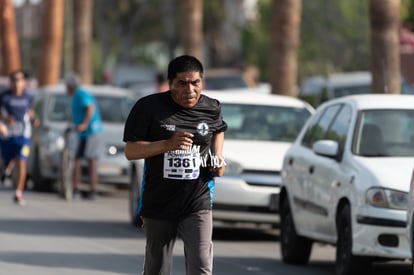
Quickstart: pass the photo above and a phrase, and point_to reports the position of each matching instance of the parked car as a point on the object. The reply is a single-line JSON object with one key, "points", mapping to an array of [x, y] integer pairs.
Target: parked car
{"points": [[410, 219], [345, 182], [138, 79], [261, 127], [52, 106], [318, 89], [224, 79]]}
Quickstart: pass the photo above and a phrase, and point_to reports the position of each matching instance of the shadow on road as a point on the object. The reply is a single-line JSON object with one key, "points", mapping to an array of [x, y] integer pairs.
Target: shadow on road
{"points": [[90, 229], [244, 234], [116, 263]]}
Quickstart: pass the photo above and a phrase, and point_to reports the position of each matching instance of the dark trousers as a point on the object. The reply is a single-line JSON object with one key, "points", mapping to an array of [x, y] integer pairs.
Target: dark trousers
{"points": [[196, 233]]}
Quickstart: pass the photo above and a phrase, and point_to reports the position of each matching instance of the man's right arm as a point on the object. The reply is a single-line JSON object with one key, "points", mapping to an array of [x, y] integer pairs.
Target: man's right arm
{"points": [[145, 149]]}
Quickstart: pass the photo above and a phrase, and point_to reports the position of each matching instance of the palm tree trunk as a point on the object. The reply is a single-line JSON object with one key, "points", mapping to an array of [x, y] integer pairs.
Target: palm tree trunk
{"points": [[10, 54], [385, 63], [82, 39], [191, 19], [285, 28], [51, 55]]}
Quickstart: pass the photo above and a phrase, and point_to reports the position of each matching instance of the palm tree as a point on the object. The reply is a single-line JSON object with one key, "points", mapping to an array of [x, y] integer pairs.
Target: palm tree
{"points": [[285, 27], [82, 37], [51, 55], [385, 64], [10, 54], [190, 29]]}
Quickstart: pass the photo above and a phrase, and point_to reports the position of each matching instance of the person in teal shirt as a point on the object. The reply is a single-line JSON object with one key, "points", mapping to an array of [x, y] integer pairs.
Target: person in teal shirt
{"points": [[87, 122]]}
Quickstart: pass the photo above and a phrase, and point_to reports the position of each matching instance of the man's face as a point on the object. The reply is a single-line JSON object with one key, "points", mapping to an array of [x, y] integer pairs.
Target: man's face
{"points": [[69, 90], [17, 82], [186, 88]]}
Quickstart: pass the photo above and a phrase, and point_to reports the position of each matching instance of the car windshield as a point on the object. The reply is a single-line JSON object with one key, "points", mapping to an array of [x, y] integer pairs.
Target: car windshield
{"points": [[385, 133], [265, 123], [118, 114], [59, 108]]}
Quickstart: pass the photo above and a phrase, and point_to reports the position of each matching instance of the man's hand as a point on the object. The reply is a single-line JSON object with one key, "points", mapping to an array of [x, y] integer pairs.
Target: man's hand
{"points": [[218, 166], [10, 120], [81, 127], [180, 141]]}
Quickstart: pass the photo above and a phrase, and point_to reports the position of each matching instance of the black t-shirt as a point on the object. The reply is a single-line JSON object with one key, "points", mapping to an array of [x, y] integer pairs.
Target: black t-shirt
{"points": [[176, 183]]}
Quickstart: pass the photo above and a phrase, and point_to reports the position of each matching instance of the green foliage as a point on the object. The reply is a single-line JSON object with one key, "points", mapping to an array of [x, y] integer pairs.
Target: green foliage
{"points": [[407, 10], [256, 39], [334, 36]]}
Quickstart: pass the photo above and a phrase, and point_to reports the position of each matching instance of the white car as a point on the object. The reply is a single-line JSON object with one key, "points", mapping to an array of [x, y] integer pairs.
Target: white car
{"points": [[52, 107], [345, 182], [261, 127], [410, 219]]}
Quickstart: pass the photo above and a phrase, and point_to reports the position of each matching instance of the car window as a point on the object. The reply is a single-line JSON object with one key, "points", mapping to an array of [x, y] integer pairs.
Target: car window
{"points": [[59, 108], [224, 82], [317, 130], [339, 129], [38, 105], [385, 133], [266, 123], [351, 90], [114, 115]]}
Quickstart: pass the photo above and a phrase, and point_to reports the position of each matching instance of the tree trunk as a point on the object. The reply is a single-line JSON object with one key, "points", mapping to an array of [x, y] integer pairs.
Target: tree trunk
{"points": [[10, 54], [82, 39], [191, 19], [51, 55], [385, 63], [285, 28]]}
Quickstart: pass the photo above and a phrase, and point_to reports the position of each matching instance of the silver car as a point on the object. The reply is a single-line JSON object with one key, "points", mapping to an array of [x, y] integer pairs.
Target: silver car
{"points": [[52, 106]]}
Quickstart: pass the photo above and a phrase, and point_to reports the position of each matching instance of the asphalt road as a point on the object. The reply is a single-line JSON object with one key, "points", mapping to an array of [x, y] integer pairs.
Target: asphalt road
{"points": [[52, 236]]}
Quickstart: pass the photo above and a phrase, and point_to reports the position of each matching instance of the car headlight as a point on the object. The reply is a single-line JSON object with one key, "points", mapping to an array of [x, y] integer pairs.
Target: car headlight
{"points": [[232, 167], [54, 141], [113, 150], [387, 198]]}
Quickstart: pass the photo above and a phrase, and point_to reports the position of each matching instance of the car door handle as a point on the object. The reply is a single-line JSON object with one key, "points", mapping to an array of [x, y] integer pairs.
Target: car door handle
{"points": [[311, 169]]}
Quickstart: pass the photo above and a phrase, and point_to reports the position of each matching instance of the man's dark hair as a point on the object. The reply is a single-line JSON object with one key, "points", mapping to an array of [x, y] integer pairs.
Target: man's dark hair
{"points": [[184, 63], [12, 75]]}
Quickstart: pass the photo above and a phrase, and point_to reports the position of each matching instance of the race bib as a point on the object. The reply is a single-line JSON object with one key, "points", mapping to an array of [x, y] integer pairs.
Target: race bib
{"points": [[182, 165]]}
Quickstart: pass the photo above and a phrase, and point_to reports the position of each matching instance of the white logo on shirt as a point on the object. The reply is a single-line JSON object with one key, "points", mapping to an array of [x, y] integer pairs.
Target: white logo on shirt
{"points": [[202, 128], [168, 127]]}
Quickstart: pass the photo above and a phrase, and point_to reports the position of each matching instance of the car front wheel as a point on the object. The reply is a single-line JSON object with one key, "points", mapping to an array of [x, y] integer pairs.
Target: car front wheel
{"points": [[346, 263], [295, 249]]}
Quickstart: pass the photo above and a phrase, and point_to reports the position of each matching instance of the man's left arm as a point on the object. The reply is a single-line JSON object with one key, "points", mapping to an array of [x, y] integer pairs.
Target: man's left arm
{"points": [[217, 146], [33, 118], [86, 118]]}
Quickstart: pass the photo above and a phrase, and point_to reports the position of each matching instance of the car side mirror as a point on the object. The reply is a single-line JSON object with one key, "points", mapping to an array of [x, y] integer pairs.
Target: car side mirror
{"points": [[325, 147]]}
